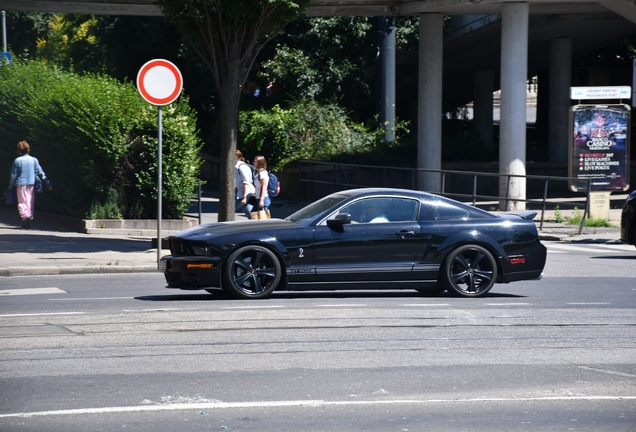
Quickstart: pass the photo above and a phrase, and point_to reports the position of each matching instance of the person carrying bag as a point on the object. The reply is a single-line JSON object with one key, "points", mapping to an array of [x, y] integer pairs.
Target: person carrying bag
{"points": [[260, 190], [25, 173]]}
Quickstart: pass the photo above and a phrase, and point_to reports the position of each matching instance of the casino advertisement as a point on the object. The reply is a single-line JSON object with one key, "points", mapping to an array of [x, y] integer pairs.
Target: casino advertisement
{"points": [[599, 147]]}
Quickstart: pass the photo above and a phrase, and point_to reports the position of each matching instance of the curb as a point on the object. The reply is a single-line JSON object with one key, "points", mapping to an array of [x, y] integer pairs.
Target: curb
{"points": [[40, 271]]}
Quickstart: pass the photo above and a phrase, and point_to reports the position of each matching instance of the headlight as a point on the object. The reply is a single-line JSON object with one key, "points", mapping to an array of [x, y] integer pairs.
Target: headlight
{"points": [[199, 249]]}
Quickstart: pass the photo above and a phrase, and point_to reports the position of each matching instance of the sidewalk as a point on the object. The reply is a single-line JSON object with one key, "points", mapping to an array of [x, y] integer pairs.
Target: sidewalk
{"points": [[51, 247]]}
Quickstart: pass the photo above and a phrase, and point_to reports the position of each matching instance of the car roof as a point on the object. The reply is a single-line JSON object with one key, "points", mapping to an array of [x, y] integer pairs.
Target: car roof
{"points": [[426, 196], [388, 191]]}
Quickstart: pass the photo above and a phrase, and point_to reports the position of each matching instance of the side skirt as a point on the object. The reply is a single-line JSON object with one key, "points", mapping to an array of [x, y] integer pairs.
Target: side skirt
{"points": [[355, 285]]}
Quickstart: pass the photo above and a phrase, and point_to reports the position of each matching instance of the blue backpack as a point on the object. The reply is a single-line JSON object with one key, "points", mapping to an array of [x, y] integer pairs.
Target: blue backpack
{"points": [[273, 187], [253, 170]]}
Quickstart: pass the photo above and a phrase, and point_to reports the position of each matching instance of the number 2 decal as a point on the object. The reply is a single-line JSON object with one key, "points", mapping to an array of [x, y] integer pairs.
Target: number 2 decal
{"points": [[300, 253]]}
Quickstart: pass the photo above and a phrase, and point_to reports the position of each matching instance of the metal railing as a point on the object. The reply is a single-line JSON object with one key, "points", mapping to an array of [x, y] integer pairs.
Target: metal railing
{"points": [[346, 176]]}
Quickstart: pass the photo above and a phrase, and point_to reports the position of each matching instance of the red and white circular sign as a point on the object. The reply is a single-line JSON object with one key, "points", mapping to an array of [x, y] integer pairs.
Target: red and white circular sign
{"points": [[159, 82]]}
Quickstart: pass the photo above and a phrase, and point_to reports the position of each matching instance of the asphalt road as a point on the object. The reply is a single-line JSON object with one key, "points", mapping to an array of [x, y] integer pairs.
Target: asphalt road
{"points": [[112, 352]]}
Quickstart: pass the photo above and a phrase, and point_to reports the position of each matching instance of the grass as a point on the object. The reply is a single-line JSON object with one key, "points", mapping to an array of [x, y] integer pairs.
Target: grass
{"points": [[577, 217]]}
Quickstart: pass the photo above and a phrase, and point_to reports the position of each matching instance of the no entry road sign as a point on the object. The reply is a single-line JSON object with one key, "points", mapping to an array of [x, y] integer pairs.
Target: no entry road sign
{"points": [[159, 82]]}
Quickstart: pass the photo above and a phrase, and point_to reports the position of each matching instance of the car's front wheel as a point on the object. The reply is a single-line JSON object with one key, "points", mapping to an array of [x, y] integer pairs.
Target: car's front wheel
{"points": [[469, 271], [251, 272]]}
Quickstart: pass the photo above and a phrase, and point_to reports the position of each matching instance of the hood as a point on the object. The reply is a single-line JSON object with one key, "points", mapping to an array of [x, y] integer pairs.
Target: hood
{"points": [[233, 227]]}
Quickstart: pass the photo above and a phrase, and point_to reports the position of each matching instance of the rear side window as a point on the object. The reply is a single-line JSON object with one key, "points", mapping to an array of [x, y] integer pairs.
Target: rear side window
{"points": [[448, 211]]}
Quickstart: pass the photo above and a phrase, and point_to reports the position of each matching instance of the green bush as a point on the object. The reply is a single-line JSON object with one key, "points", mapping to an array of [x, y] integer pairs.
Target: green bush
{"points": [[307, 130], [577, 218], [96, 139]]}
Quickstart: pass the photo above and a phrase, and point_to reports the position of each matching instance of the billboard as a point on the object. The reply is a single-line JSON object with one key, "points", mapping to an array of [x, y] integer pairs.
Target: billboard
{"points": [[599, 147]]}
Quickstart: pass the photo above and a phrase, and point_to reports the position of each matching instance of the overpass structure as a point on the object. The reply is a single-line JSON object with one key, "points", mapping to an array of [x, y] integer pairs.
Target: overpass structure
{"points": [[487, 45]]}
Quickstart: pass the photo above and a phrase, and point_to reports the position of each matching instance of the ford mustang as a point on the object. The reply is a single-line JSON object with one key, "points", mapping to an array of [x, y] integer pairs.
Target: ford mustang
{"points": [[360, 239]]}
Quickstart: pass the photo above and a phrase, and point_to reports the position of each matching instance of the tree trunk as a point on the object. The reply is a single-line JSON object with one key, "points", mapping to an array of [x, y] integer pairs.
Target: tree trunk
{"points": [[230, 95]]}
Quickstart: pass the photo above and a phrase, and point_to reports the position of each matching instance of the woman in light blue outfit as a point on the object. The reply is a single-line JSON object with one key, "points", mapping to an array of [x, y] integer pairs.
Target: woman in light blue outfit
{"points": [[24, 171]]}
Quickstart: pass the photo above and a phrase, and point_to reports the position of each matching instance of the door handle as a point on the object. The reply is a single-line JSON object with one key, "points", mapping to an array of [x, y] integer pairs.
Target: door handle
{"points": [[404, 233]]}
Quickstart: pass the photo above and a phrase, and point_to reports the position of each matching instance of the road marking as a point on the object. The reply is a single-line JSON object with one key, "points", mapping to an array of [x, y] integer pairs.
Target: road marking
{"points": [[342, 305], [424, 304], [90, 298], [508, 304], [622, 248], [159, 310], [252, 307], [302, 403], [582, 304], [32, 291], [609, 372], [582, 249], [41, 314]]}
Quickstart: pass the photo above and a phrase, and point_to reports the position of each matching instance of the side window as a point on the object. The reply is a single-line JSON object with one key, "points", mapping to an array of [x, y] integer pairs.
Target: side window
{"points": [[382, 210], [448, 211], [402, 209]]}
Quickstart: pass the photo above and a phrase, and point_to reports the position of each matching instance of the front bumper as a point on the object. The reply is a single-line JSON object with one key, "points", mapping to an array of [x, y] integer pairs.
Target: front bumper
{"points": [[191, 272]]}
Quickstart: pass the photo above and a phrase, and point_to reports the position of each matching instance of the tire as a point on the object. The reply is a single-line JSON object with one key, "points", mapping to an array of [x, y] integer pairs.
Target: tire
{"points": [[251, 272], [469, 271]]}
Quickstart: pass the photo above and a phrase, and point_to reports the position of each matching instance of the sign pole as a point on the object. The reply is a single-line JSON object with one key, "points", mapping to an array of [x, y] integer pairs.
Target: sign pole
{"points": [[4, 32], [159, 183], [160, 83]]}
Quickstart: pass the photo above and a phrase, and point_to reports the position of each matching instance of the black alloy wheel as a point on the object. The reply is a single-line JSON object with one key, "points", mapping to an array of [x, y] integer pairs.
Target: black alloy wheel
{"points": [[251, 272], [469, 271]]}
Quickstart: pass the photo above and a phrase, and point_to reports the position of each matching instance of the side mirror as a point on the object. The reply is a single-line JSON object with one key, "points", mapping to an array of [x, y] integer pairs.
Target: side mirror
{"points": [[340, 219]]}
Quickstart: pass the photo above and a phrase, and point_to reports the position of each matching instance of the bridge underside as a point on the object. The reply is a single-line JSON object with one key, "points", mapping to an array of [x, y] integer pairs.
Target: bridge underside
{"points": [[507, 41]]}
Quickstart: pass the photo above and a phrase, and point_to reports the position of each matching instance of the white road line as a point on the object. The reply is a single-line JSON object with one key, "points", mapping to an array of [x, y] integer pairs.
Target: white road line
{"points": [[424, 304], [508, 304], [32, 291], [618, 247], [91, 298], [584, 303], [303, 403], [42, 314], [581, 249], [342, 305], [609, 372], [252, 307], [159, 310]]}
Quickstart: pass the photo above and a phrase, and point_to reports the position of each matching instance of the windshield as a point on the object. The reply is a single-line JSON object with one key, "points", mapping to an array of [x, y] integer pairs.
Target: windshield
{"points": [[316, 208]]}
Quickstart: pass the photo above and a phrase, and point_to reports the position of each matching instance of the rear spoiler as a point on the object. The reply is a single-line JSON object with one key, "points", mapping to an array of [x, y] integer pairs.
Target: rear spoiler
{"points": [[523, 214]]}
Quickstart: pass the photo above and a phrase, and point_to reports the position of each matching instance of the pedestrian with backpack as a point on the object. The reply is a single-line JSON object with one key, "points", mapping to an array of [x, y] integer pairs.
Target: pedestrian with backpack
{"points": [[244, 184], [261, 181]]}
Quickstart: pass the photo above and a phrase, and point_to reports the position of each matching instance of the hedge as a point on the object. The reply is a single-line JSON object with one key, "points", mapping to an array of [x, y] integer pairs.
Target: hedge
{"points": [[96, 139]]}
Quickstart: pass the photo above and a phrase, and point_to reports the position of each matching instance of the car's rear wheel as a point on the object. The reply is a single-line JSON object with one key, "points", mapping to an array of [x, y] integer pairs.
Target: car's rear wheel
{"points": [[469, 271], [251, 272]]}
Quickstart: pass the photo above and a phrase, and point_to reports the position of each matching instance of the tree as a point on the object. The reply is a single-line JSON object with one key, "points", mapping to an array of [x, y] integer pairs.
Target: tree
{"points": [[228, 35], [329, 60]]}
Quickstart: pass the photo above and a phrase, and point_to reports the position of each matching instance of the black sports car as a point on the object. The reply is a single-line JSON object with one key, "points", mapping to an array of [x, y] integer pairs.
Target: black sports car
{"points": [[360, 239], [628, 219]]}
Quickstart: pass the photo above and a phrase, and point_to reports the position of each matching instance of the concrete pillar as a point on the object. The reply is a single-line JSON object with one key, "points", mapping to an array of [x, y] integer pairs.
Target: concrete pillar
{"points": [[429, 118], [560, 82], [482, 106], [512, 132], [385, 87]]}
